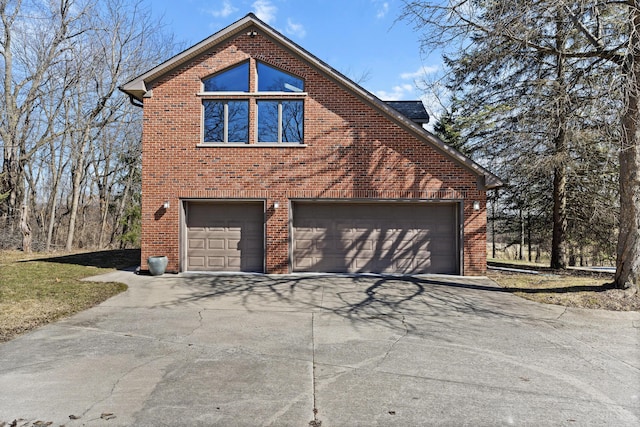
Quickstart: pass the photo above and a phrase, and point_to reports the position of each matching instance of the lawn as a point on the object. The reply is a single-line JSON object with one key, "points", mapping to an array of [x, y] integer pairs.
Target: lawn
{"points": [[37, 289], [569, 288]]}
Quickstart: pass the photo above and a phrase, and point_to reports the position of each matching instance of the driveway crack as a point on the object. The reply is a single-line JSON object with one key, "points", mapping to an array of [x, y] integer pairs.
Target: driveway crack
{"points": [[563, 313], [315, 422], [386, 355], [115, 384], [200, 322]]}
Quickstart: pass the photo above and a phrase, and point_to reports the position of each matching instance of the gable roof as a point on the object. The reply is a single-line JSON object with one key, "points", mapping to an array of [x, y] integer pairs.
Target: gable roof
{"points": [[414, 110], [138, 87]]}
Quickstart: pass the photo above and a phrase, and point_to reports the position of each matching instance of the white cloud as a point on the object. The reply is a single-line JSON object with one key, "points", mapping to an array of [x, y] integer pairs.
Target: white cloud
{"points": [[225, 10], [420, 73], [295, 29], [397, 93], [383, 10], [265, 10]]}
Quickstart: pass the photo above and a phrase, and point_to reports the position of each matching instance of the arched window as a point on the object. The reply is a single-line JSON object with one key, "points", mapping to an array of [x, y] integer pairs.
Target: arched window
{"points": [[278, 105], [273, 80], [234, 79]]}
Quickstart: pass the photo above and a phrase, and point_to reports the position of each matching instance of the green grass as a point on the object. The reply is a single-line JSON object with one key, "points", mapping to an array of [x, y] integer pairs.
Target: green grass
{"points": [[34, 292]]}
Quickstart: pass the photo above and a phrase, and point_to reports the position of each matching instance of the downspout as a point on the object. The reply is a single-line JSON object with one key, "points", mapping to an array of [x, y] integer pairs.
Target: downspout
{"points": [[134, 102]]}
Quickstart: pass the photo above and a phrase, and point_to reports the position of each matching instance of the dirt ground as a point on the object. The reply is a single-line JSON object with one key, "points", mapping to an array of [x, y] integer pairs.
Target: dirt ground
{"points": [[571, 288]]}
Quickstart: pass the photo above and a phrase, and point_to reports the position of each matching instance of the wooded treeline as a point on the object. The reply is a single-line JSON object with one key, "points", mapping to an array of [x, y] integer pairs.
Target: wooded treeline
{"points": [[545, 94], [70, 140]]}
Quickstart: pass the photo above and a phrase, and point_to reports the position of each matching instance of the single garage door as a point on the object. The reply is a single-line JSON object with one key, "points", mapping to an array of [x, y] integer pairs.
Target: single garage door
{"points": [[224, 236], [399, 238]]}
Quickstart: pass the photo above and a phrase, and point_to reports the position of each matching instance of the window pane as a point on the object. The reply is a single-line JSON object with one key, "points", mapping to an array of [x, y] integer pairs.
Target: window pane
{"points": [[273, 80], [267, 121], [238, 126], [213, 121], [235, 79], [292, 120]]}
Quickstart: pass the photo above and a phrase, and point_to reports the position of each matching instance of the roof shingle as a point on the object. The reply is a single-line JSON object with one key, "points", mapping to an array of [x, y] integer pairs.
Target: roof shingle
{"points": [[413, 110]]}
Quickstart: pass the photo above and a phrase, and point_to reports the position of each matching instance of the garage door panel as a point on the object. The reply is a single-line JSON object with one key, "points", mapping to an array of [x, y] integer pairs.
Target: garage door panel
{"points": [[408, 263], [306, 262], [234, 262], [402, 238], [253, 245], [197, 261], [216, 244], [214, 262], [233, 244], [305, 244], [323, 244], [225, 236], [196, 243], [253, 229]]}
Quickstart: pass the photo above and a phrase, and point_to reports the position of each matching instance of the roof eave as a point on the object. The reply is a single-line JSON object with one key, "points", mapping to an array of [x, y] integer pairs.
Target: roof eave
{"points": [[137, 87], [492, 182]]}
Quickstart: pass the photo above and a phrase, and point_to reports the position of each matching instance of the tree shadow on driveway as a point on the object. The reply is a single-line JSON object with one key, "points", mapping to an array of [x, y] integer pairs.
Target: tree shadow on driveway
{"points": [[387, 300]]}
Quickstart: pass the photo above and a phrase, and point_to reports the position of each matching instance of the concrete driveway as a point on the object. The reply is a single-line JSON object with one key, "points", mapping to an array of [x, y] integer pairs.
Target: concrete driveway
{"points": [[251, 350]]}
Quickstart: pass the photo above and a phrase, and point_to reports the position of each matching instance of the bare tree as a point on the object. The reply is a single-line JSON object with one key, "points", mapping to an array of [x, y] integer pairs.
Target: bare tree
{"points": [[28, 50], [65, 130]]}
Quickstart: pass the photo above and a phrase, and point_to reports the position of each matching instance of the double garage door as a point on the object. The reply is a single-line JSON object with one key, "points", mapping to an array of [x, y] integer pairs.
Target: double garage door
{"points": [[399, 238]]}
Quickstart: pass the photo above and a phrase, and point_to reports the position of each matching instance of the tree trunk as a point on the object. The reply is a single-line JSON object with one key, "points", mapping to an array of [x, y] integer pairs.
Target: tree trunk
{"points": [[558, 249], [75, 201], [52, 221], [558, 240], [121, 208], [24, 227], [628, 251], [529, 235], [493, 224], [521, 256], [53, 201]]}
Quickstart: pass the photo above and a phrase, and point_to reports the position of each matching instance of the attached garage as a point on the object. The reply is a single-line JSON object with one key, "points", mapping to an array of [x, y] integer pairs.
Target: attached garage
{"points": [[381, 237], [224, 236]]}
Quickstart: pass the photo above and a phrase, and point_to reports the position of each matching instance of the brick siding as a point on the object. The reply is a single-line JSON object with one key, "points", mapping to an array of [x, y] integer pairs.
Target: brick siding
{"points": [[351, 151]]}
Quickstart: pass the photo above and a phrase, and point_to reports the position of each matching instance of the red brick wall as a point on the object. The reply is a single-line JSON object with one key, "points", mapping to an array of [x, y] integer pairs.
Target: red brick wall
{"points": [[352, 151]]}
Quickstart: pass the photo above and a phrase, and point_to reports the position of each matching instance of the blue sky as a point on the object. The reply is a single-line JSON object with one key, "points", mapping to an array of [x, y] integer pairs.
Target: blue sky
{"points": [[357, 37]]}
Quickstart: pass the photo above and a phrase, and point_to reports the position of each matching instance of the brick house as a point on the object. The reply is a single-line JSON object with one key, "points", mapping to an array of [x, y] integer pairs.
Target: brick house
{"points": [[258, 156]]}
